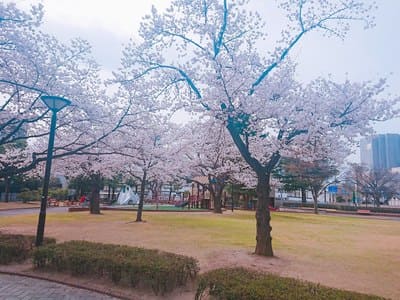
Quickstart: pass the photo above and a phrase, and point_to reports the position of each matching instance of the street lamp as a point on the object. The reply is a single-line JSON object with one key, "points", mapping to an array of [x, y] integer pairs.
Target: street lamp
{"points": [[55, 104]]}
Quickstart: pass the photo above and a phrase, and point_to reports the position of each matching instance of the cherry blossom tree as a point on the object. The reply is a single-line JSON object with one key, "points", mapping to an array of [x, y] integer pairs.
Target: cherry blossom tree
{"points": [[213, 156], [93, 169], [150, 153], [33, 64], [208, 52]]}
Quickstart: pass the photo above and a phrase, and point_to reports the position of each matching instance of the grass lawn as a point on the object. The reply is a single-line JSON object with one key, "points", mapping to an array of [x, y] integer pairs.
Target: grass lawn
{"points": [[344, 252]]}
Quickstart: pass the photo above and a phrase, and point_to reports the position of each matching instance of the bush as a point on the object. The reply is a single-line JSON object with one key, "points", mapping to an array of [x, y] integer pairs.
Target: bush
{"points": [[17, 247], [340, 199], [242, 284], [161, 271], [59, 194], [344, 207], [27, 195]]}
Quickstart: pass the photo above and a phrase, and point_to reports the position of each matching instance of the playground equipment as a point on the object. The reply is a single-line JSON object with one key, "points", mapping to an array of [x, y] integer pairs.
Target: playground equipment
{"points": [[181, 204], [127, 196]]}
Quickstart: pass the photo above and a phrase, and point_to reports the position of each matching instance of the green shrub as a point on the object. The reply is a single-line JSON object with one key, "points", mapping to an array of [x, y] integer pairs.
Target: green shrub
{"points": [[17, 247], [341, 206], [58, 194], [28, 195], [243, 284], [161, 271]]}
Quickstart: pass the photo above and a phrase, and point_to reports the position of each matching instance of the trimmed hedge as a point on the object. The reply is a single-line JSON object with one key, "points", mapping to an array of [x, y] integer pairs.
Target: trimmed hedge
{"points": [[161, 271], [18, 247], [243, 284], [343, 207]]}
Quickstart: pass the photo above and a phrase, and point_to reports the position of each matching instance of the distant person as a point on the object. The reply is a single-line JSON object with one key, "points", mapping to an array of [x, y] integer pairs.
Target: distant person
{"points": [[82, 200]]}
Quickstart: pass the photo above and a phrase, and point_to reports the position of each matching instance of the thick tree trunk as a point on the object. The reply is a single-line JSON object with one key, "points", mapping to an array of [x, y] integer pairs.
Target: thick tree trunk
{"points": [[141, 199], [263, 217], [95, 200], [216, 196], [218, 200], [216, 188], [303, 195]]}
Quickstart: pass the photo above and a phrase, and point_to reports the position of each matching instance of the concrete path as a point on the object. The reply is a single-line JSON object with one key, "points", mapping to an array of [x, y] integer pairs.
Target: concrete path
{"points": [[14, 287], [27, 211]]}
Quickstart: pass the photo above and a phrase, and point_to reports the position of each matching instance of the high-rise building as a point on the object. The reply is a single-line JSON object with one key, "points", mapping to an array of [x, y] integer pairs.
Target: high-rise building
{"points": [[381, 151]]}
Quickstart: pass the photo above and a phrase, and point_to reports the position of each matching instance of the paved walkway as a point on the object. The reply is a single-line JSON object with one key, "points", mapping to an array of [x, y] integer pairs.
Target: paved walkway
{"points": [[24, 288], [27, 211]]}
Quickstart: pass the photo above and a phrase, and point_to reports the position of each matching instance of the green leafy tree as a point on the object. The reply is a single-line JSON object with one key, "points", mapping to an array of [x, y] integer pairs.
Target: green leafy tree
{"points": [[313, 175], [380, 185]]}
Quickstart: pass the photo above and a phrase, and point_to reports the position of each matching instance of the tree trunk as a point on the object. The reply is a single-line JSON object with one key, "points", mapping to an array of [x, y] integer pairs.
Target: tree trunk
{"points": [[198, 195], [377, 201], [95, 200], [216, 188], [263, 217], [156, 195], [315, 199], [109, 200], [303, 195], [141, 199], [7, 188], [95, 194], [170, 193], [218, 199], [113, 194]]}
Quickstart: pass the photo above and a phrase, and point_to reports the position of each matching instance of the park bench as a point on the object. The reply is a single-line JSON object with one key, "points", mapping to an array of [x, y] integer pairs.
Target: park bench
{"points": [[53, 202], [69, 202]]}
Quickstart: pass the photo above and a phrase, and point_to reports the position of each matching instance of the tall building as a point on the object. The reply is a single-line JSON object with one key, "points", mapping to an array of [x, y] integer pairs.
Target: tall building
{"points": [[381, 151], [366, 152]]}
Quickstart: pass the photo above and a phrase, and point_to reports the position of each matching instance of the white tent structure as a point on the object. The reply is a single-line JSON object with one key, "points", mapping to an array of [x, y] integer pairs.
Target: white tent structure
{"points": [[127, 196]]}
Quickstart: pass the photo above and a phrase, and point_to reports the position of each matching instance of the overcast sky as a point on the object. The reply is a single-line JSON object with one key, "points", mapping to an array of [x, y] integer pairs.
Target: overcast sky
{"points": [[363, 55]]}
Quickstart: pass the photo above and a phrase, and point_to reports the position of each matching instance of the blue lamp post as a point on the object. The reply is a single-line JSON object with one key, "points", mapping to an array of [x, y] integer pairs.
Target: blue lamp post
{"points": [[55, 104]]}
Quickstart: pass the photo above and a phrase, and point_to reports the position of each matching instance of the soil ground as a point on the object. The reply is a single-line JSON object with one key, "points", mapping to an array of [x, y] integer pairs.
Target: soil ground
{"points": [[344, 252]]}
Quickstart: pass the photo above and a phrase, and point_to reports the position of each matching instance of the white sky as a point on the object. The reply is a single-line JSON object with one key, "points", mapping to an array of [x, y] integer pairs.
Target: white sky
{"points": [[364, 55]]}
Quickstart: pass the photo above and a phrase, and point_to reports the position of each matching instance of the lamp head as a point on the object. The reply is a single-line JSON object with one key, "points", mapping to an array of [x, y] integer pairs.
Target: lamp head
{"points": [[55, 103]]}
